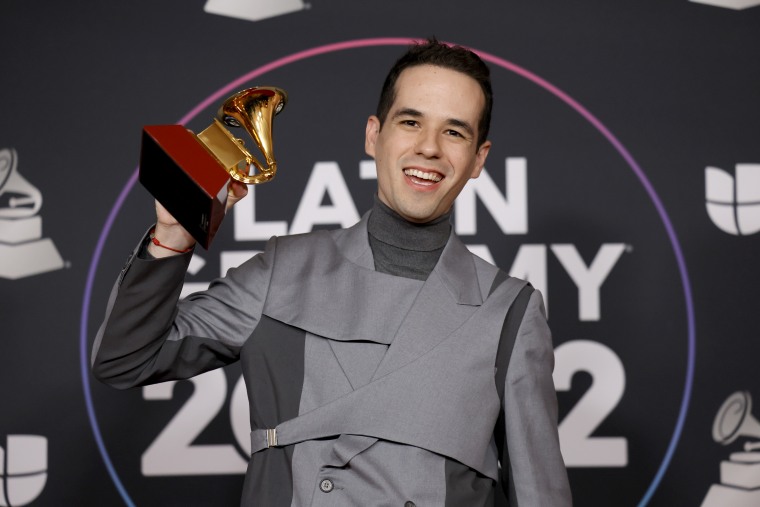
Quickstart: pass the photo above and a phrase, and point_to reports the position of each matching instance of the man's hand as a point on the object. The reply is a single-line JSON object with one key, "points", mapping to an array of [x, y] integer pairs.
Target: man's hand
{"points": [[170, 233], [236, 190]]}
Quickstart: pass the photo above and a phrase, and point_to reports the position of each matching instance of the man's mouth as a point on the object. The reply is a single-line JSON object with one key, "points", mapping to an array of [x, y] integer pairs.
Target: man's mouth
{"points": [[427, 177]]}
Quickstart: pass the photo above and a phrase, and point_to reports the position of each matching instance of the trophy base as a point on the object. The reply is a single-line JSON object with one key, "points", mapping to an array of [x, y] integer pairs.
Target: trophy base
{"points": [[722, 496], [19, 230], [742, 471], [27, 259], [185, 178]]}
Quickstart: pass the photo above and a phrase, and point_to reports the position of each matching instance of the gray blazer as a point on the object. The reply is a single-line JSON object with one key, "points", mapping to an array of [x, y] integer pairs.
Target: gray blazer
{"points": [[380, 388]]}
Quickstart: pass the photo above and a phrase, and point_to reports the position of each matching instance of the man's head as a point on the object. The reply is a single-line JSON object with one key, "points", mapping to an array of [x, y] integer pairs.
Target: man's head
{"points": [[429, 137], [439, 54]]}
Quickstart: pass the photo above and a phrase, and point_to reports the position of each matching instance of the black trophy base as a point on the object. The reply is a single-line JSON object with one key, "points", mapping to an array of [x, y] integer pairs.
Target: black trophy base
{"points": [[185, 178]]}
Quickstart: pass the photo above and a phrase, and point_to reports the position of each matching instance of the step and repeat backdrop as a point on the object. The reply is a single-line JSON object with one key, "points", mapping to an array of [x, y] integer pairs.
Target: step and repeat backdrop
{"points": [[623, 182]]}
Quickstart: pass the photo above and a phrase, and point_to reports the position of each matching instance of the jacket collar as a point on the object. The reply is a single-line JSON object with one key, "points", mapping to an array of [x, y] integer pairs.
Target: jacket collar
{"points": [[456, 266]]}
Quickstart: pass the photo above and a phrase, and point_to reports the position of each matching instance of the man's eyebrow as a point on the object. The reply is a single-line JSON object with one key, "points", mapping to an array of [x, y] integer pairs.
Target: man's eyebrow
{"points": [[454, 122], [463, 125], [407, 111]]}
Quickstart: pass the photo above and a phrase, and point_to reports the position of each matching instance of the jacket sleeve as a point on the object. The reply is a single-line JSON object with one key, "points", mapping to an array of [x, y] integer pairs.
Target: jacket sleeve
{"points": [[532, 458], [149, 336]]}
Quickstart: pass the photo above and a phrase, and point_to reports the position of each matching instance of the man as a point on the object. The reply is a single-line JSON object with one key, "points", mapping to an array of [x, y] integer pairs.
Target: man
{"points": [[368, 353]]}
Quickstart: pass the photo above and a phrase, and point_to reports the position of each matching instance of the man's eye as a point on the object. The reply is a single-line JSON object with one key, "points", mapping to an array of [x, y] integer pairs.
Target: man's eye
{"points": [[409, 123], [454, 133]]}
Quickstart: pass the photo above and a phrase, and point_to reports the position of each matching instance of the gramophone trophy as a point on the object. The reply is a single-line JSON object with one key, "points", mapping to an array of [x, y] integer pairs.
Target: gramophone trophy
{"points": [[23, 250], [740, 474], [188, 174]]}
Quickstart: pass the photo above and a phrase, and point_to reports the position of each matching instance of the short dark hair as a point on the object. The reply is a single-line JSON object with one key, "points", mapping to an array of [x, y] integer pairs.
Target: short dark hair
{"points": [[433, 52]]}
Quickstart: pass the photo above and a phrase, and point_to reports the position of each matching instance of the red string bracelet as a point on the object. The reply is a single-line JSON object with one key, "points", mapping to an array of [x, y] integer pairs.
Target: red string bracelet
{"points": [[155, 241]]}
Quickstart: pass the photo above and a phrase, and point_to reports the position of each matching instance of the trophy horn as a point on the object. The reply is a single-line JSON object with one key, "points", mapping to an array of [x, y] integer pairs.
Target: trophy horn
{"points": [[735, 419], [25, 199], [189, 174], [254, 110]]}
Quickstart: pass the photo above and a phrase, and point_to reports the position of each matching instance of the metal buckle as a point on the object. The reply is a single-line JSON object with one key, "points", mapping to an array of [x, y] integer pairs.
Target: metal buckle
{"points": [[272, 438]]}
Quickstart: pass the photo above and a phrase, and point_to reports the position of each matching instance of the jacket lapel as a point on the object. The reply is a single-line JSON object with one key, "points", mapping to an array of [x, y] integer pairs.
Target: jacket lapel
{"points": [[333, 291], [450, 296], [447, 299], [359, 360], [329, 290]]}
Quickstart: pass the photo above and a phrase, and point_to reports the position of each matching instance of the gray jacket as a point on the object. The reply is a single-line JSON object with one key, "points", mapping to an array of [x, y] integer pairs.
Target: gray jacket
{"points": [[380, 388]]}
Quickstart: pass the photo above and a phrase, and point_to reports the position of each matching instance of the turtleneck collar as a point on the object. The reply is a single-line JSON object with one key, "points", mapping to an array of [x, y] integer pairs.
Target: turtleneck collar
{"points": [[388, 227]]}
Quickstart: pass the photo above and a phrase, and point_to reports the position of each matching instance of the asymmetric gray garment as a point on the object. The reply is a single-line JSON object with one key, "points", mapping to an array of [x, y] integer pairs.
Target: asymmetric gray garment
{"points": [[380, 388]]}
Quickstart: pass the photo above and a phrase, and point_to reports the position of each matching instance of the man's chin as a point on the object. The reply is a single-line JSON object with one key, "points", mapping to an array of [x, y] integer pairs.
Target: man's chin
{"points": [[419, 216]]}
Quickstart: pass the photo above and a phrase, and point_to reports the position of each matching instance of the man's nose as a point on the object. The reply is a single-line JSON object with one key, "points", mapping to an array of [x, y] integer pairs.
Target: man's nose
{"points": [[428, 144]]}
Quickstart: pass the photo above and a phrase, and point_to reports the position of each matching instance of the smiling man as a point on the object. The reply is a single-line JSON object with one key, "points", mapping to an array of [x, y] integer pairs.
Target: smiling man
{"points": [[426, 146], [385, 364]]}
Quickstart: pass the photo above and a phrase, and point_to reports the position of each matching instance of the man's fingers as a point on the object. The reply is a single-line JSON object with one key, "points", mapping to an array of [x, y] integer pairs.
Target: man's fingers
{"points": [[236, 190]]}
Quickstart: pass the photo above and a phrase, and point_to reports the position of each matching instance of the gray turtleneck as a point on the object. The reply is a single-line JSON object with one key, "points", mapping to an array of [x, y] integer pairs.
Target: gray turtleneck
{"points": [[404, 248]]}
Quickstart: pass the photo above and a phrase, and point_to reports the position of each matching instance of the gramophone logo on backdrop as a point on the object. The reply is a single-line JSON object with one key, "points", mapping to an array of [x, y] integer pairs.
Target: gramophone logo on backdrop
{"points": [[729, 4], [254, 10], [23, 469], [733, 203], [740, 474], [23, 250]]}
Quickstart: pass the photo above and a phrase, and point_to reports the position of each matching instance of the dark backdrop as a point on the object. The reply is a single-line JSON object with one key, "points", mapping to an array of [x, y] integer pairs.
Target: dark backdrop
{"points": [[607, 118]]}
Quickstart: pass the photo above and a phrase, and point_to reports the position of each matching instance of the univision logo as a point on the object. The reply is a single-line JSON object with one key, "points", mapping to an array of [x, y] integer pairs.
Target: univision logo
{"points": [[733, 203], [23, 469]]}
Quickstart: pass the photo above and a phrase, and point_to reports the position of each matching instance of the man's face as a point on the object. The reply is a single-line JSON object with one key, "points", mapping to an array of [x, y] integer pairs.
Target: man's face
{"points": [[427, 147]]}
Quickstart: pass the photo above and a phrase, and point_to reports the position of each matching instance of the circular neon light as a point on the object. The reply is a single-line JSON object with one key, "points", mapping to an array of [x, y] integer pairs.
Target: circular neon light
{"points": [[360, 43]]}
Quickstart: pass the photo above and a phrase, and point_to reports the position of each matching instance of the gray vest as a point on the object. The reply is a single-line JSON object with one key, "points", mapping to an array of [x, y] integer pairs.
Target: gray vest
{"points": [[434, 388]]}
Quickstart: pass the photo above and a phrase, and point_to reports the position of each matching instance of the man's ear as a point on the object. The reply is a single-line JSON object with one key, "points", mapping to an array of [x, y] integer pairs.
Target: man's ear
{"points": [[370, 135], [480, 159]]}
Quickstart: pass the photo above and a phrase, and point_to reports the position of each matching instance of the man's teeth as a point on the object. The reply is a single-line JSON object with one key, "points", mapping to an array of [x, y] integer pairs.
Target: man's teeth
{"points": [[423, 175]]}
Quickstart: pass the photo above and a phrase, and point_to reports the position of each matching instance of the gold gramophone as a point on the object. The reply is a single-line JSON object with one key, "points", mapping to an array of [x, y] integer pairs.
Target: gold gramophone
{"points": [[188, 174]]}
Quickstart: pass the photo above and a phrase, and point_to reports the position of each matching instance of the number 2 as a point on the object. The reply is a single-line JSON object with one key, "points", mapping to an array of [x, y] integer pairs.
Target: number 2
{"points": [[579, 448], [173, 452]]}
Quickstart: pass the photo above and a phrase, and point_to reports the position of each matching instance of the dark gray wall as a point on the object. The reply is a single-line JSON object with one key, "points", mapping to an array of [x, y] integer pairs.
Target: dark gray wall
{"points": [[614, 109]]}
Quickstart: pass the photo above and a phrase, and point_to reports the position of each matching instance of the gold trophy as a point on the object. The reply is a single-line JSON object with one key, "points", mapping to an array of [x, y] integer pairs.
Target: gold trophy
{"points": [[188, 174]]}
